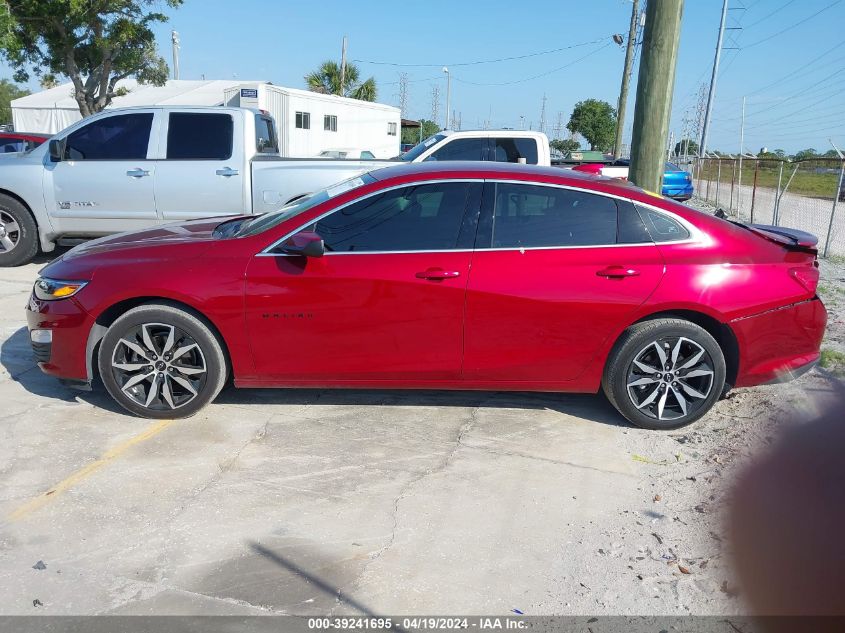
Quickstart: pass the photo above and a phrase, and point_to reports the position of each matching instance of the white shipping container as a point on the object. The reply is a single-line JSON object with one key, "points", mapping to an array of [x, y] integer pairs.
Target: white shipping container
{"points": [[309, 122]]}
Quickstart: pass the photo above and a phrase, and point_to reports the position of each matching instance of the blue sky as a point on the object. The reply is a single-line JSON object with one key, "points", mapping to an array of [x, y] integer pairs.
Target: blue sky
{"points": [[790, 62]]}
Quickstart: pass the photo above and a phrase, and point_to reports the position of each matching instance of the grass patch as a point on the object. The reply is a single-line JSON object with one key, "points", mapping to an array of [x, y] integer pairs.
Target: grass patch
{"points": [[807, 181], [833, 361]]}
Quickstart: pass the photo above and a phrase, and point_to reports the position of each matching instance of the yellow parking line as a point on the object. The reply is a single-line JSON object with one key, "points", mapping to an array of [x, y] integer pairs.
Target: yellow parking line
{"points": [[86, 471]]}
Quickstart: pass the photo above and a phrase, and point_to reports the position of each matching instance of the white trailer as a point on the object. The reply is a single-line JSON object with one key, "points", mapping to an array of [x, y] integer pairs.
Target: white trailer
{"points": [[310, 122]]}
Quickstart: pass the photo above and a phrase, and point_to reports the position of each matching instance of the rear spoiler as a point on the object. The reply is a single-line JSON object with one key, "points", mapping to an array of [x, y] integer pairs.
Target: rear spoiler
{"points": [[791, 239]]}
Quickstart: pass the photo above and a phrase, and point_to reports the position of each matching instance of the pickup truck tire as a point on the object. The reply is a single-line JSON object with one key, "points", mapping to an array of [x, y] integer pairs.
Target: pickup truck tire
{"points": [[18, 233], [158, 361]]}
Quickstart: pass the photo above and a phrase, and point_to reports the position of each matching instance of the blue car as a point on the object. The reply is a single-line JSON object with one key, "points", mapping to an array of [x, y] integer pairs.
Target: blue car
{"points": [[677, 183]]}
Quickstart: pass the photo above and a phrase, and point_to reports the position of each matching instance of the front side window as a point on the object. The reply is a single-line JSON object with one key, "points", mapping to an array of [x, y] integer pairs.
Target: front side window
{"points": [[119, 137], [330, 123], [367, 155], [510, 150], [303, 120], [416, 218], [461, 149], [199, 136], [527, 216]]}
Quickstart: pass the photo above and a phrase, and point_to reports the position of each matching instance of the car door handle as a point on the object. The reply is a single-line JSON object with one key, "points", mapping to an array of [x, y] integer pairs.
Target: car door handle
{"points": [[227, 172], [438, 274], [137, 172], [617, 272]]}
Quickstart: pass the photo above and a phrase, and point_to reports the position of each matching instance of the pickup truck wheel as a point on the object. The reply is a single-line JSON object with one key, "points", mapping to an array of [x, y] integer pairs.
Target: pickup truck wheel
{"points": [[18, 233], [158, 361]]}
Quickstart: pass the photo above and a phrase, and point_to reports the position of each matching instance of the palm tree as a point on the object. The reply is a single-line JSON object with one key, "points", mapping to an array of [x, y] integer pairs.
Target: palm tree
{"points": [[326, 80]]}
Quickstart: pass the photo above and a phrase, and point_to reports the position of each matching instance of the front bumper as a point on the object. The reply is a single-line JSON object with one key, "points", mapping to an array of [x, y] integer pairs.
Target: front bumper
{"points": [[65, 356], [779, 345]]}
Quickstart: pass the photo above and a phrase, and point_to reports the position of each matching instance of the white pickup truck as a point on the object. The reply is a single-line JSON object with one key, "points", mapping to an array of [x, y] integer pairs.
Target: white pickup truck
{"points": [[132, 168]]}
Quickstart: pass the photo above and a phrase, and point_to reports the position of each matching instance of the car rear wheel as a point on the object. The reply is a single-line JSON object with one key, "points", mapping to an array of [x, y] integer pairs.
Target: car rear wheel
{"points": [[664, 373], [18, 233], [158, 361]]}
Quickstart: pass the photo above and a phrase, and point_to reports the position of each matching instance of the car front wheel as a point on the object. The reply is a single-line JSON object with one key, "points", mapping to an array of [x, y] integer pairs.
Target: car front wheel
{"points": [[158, 361], [664, 373]]}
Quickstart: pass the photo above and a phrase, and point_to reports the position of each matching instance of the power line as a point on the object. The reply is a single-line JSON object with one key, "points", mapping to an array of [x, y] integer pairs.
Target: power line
{"points": [[519, 81], [775, 12], [797, 24], [486, 61]]}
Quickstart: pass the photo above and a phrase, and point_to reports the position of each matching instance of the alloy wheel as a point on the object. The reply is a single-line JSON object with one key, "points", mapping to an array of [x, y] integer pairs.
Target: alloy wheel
{"points": [[670, 378], [10, 232], [159, 366]]}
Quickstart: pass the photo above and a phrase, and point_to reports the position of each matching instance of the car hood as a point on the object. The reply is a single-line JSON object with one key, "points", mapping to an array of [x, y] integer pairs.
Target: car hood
{"points": [[193, 232]]}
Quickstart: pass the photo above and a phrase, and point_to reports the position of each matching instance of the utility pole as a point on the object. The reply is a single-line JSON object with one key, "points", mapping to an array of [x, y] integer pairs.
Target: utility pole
{"points": [[448, 94], [435, 103], [543, 115], [712, 93], [741, 150], [174, 38], [622, 106], [343, 67], [403, 95], [654, 92]]}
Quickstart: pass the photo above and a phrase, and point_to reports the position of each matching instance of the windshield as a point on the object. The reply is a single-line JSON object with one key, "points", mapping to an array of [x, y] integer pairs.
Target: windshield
{"points": [[415, 151], [292, 209]]}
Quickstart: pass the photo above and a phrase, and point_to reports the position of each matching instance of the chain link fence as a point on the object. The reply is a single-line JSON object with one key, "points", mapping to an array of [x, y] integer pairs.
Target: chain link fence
{"points": [[806, 194]]}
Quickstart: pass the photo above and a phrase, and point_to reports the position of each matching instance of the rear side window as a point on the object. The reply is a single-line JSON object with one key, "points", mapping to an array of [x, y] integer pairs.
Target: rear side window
{"points": [[418, 218], [460, 149], [661, 227], [265, 135], [510, 150], [630, 228], [199, 136], [528, 216], [119, 137]]}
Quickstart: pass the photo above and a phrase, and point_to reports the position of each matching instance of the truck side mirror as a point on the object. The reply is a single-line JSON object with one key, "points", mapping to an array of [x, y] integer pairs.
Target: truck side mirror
{"points": [[57, 150]]}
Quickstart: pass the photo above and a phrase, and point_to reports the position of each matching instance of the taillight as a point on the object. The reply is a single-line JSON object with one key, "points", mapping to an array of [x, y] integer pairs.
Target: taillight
{"points": [[807, 277]]}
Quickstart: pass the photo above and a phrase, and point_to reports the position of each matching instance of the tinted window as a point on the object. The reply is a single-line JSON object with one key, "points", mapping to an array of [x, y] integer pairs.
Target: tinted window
{"points": [[265, 135], [121, 137], [510, 150], [419, 218], [629, 226], [418, 149], [535, 215], [460, 149], [662, 228], [7, 146], [199, 136], [303, 120]]}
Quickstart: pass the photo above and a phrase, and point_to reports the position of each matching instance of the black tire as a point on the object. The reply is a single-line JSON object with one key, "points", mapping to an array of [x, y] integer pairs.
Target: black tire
{"points": [[641, 347], [24, 236], [170, 381]]}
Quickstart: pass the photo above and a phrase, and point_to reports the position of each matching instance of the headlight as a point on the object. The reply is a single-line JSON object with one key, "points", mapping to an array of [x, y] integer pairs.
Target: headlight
{"points": [[51, 289]]}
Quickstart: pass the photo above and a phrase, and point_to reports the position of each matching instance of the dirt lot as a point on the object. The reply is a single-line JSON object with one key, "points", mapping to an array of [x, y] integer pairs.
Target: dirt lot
{"points": [[308, 502]]}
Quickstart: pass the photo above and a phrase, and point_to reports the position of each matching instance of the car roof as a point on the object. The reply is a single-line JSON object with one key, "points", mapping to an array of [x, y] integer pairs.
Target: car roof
{"points": [[490, 169]]}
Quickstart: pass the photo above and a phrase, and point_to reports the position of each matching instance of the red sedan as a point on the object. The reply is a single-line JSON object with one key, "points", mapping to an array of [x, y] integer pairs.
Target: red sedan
{"points": [[439, 276]]}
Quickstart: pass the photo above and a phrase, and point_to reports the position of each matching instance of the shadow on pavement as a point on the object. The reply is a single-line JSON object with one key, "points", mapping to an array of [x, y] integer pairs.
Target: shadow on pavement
{"points": [[16, 358]]}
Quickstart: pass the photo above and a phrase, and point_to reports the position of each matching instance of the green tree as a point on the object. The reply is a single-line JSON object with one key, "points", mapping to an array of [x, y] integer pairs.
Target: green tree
{"points": [[805, 153], [326, 79], [596, 121], [94, 43], [686, 145], [412, 134], [565, 145], [8, 92]]}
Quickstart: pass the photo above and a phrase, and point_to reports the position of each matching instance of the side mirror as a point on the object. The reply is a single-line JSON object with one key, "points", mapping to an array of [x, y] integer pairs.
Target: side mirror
{"points": [[305, 243], [57, 150]]}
